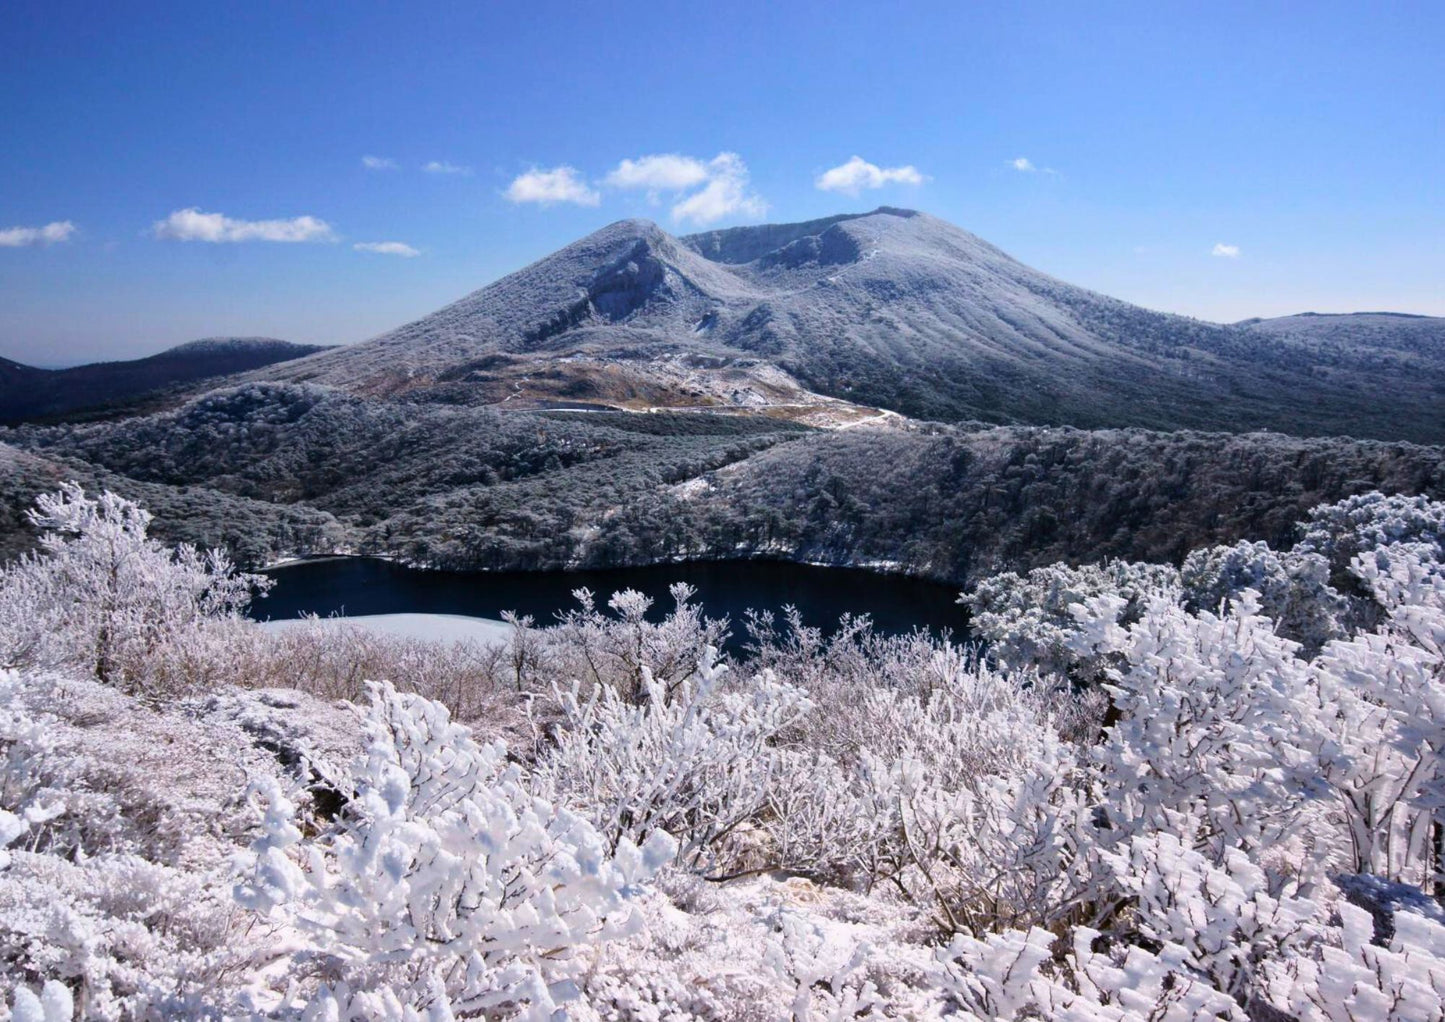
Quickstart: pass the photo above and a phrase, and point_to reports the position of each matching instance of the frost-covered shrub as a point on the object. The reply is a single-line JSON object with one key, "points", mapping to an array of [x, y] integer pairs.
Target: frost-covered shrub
{"points": [[614, 650], [1029, 620], [1216, 945], [965, 800], [1208, 738], [28, 799], [1230, 918], [129, 936], [1379, 718], [1014, 975], [446, 885], [97, 888], [994, 849], [698, 763], [1166, 844], [54, 1004], [848, 657], [1359, 527], [1350, 977], [824, 985], [333, 660], [102, 597], [1293, 588], [1342, 531]]}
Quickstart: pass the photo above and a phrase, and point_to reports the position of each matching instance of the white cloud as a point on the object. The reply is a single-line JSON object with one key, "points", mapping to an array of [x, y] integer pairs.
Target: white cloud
{"points": [[1024, 165], [50, 234], [546, 187], [725, 194], [1225, 251], [723, 182], [193, 225], [396, 248], [443, 167], [857, 174], [668, 172], [378, 163]]}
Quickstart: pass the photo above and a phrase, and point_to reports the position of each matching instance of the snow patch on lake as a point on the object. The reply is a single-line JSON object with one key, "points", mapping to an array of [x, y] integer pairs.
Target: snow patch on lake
{"points": [[433, 627]]}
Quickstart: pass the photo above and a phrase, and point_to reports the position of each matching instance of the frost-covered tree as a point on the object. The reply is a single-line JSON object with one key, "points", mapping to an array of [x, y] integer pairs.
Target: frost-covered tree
{"points": [[1208, 737], [1366, 522], [603, 649], [1029, 620], [697, 762], [1293, 588], [104, 597]]}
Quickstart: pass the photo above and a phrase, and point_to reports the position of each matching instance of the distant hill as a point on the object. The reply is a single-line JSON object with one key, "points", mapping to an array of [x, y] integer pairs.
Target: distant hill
{"points": [[1362, 339], [29, 394], [891, 309]]}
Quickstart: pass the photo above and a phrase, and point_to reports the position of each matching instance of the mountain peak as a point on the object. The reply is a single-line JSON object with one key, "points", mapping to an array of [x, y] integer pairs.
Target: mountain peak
{"points": [[735, 245], [891, 309]]}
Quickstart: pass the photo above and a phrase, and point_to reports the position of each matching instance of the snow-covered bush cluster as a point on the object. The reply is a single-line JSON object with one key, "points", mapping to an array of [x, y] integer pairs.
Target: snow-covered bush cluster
{"points": [[102, 597], [1152, 794]]}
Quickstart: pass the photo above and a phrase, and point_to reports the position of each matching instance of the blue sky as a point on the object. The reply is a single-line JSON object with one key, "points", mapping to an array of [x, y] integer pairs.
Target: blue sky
{"points": [[1218, 159]]}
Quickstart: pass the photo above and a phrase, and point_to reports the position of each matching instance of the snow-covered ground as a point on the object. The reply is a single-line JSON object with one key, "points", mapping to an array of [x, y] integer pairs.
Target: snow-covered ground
{"points": [[434, 627], [840, 829]]}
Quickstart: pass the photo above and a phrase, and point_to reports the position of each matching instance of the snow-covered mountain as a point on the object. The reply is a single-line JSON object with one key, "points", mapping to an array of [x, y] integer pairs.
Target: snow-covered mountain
{"points": [[891, 309]]}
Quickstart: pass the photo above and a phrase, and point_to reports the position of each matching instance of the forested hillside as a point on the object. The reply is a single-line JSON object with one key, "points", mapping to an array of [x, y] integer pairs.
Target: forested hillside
{"points": [[272, 469]]}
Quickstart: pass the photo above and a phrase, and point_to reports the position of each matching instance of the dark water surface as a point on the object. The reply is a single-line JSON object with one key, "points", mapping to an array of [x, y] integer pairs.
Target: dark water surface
{"points": [[365, 585]]}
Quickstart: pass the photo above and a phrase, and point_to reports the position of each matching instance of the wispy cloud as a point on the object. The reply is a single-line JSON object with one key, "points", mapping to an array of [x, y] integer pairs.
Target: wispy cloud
{"points": [[396, 248], [725, 193], [548, 187], [664, 172], [50, 234], [1024, 165], [857, 174], [378, 163], [193, 225], [443, 167], [1225, 251]]}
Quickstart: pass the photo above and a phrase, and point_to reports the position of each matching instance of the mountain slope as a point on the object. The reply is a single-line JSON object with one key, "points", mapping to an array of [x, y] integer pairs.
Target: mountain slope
{"points": [[27, 393], [893, 309], [1361, 338]]}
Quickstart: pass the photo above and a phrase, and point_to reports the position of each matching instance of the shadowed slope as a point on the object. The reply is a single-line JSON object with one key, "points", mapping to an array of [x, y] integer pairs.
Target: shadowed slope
{"points": [[27, 393]]}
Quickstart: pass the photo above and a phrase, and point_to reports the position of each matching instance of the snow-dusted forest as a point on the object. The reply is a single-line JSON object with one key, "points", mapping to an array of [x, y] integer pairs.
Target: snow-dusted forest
{"points": [[1146, 793]]}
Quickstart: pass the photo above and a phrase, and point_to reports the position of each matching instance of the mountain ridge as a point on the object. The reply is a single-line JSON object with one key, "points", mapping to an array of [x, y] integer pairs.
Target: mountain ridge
{"points": [[891, 309], [30, 393]]}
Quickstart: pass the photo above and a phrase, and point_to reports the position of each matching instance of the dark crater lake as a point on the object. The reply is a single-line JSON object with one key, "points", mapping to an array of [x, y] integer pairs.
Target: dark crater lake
{"points": [[355, 586]]}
